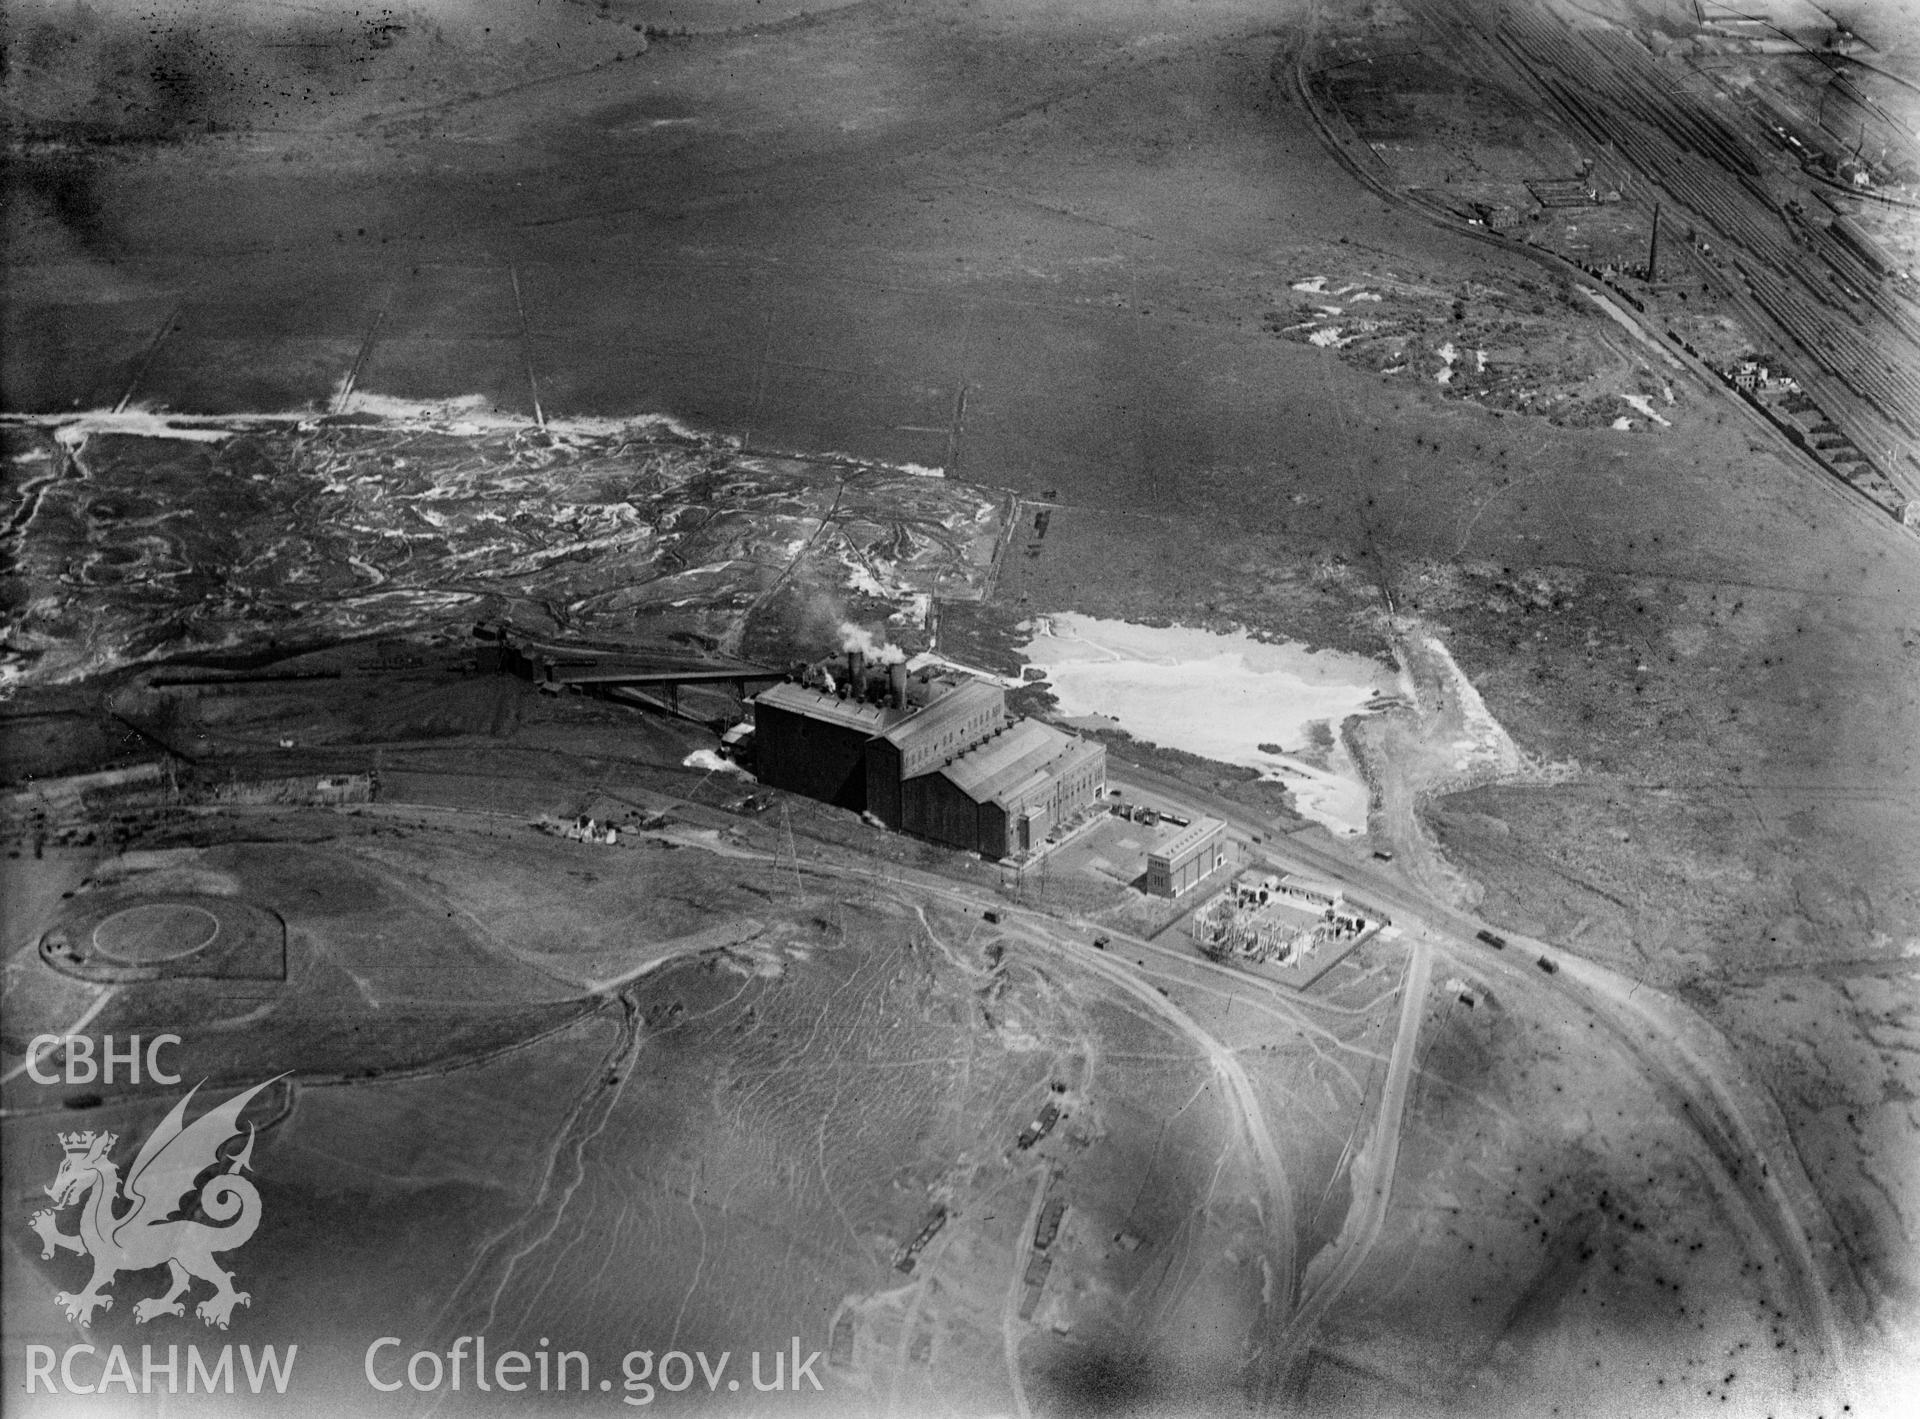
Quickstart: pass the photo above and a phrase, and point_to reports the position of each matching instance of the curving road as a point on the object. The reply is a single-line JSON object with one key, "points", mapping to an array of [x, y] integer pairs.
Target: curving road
{"points": [[1743, 1133], [1371, 1177], [1277, 1203], [1745, 1137]]}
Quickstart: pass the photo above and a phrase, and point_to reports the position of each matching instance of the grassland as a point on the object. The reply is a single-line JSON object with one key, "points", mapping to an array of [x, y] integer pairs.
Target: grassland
{"points": [[1052, 253]]}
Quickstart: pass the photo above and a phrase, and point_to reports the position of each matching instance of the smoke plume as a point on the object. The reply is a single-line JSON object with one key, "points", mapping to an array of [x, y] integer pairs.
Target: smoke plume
{"points": [[853, 637]]}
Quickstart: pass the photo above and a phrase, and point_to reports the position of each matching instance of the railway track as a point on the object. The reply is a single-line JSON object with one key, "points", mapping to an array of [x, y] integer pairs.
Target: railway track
{"points": [[1850, 337]]}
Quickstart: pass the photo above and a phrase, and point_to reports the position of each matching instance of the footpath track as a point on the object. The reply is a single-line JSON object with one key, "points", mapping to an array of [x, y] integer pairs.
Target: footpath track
{"points": [[1374, 1165], [1741, 1129]]}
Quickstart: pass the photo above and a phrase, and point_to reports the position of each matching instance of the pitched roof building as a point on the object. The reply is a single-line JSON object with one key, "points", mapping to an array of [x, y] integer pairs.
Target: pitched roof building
{"points": [[941, 759], [1005, 795], [1184, 860], [811, 742], [923, 741]]}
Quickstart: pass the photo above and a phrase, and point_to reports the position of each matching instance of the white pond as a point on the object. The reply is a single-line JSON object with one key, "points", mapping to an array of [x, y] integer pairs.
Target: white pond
{"points": [[1219, 696]]}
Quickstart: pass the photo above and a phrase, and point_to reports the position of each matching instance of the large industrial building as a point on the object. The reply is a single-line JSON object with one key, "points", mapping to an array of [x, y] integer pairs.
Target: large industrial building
{"points": [[814, 742], [1006, 794], [934, 754]]}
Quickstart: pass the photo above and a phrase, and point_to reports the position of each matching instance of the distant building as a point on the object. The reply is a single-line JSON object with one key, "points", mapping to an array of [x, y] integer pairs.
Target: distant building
{"points": [[334, 789], [1564, 191], [1863, 245], [1740, 26], [344, 788], [1307, 891], [934, 754], [1184, 860]]}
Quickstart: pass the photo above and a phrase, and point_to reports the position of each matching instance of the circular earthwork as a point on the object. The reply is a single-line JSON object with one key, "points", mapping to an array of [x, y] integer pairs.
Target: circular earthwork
{"points": [[152, 932], [121, 935]]}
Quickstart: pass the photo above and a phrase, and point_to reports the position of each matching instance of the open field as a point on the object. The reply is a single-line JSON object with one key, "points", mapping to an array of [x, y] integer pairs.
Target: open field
{"points": [[737, 1087], [698, 331], [695, 1034]]}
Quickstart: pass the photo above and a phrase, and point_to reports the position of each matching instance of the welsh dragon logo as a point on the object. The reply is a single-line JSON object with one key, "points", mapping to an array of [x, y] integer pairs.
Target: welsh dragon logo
{"points": [[163, 1188]]}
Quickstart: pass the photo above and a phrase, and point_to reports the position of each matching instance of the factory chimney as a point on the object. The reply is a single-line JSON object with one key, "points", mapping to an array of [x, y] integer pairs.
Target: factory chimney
{"points": [[856, 675], [897, 683]]}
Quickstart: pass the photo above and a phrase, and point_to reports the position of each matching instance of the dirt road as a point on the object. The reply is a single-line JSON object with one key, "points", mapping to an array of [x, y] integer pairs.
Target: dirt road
{"points": [[1696, 1069], [1373, 1167], [1710, 1087]]}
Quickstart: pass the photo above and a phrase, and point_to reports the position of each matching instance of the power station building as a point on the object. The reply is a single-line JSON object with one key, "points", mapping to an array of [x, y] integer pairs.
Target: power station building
{"points": [[932, 754], [906, 751], [814, 742], [1004, 795]]}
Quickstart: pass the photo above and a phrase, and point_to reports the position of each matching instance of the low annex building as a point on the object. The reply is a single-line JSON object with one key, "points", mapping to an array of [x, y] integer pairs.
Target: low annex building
{"points": [[932, 754], [1184, 860]]}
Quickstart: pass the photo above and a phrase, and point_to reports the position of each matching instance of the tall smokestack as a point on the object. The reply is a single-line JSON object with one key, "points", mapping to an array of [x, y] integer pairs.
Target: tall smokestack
{"points": [[897, 683], [856, 675]]}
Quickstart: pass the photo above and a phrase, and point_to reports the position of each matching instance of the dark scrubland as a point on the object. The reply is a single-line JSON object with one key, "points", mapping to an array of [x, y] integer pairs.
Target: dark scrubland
{"points": [[1038, 249]]}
